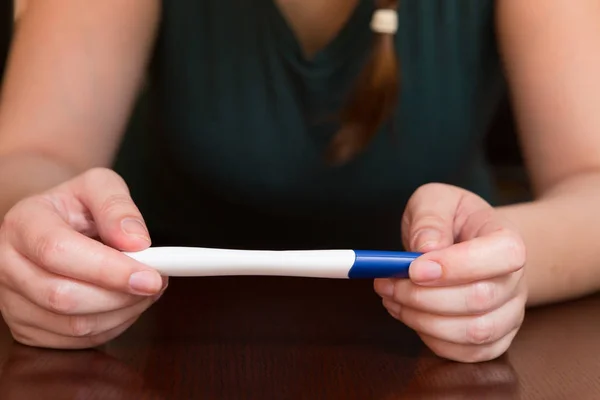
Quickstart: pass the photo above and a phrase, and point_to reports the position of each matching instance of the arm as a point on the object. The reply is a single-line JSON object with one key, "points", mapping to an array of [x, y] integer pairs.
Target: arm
{"points": [[18, 7], [72, 78], [553, 67]]}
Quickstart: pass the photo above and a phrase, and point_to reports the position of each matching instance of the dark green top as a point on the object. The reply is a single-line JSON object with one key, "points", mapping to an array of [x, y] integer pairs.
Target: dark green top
{"points": [[228, 148]]}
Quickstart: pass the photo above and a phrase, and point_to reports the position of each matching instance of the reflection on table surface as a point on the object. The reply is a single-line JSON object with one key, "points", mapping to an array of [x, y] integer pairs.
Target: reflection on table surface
{"points": [[30, 373], [270, 338]]}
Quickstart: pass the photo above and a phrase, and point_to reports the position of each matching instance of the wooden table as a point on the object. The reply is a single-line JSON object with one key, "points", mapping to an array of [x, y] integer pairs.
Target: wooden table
{"points": [[290, 338]]}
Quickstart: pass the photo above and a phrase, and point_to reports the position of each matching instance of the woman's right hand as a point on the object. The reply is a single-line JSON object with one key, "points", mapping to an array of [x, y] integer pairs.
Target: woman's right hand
{"points": [[64, 282]]}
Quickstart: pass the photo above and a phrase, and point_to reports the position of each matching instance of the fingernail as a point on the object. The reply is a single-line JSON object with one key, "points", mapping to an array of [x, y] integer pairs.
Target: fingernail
{"points": [[385, 288], [426, 271], [145, 282], [165, 282], [392, 307], [135, 227], [427, 238], [157, 297]]}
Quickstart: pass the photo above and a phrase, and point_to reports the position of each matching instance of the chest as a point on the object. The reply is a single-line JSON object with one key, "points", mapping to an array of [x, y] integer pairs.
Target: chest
{"points": [[316, 23], [247, 109]]}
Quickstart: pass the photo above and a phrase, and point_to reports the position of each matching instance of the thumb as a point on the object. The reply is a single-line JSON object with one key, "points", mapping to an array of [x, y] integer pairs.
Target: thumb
{"points": [[428, 222], [428, 225], [118, 220]]}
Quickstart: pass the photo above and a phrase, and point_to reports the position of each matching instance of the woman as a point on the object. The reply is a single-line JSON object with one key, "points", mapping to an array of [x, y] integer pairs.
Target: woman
{"points": [[306, 124]]}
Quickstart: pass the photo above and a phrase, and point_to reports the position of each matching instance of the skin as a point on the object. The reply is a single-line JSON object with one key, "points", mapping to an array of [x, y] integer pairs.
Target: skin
{"points": [[59, 132]]}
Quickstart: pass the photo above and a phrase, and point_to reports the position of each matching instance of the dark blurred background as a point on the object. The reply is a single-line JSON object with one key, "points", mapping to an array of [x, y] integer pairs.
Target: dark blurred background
{"points": [[504, 153], [6, 13]]}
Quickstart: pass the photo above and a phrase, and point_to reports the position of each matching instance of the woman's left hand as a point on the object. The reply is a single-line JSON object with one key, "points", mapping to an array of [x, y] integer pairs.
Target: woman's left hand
{"points": [[466, 294]]}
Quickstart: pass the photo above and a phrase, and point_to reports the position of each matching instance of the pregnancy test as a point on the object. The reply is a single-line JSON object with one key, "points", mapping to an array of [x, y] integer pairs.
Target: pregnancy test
{"points": [[335, 264]]}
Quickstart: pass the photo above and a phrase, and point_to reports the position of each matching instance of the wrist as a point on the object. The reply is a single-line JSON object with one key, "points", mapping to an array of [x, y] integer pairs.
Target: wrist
{"points": [[23, 175], [560, 235]]}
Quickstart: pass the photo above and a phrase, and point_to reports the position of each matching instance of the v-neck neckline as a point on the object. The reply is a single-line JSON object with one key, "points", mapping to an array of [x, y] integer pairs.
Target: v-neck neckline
{"points": [[342, 45]]}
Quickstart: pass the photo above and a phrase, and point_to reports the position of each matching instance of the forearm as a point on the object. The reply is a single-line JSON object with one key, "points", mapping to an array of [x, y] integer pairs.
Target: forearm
{"points": [[22, 175], [562, 233]]}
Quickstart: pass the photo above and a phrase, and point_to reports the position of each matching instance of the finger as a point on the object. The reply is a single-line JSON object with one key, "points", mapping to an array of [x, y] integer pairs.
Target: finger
{"points": [[392, 307], [64, 296], [497, 251], [76, 326], [470, 299], [469, 353], [35, 337], [475, 330], [428, 222], [41, 235], [118, 220]]}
